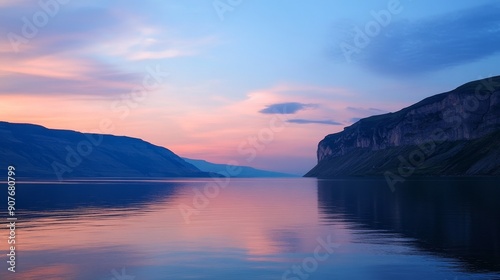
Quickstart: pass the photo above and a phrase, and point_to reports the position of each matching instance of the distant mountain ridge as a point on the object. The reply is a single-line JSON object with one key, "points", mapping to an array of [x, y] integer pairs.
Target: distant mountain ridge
{"points": [[39, 152], [453, 133], [246, 171]]}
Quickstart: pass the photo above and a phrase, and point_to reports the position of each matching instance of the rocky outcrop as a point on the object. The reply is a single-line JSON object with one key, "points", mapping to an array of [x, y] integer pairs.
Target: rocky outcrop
{"points": [[41, 153], [431, 135]]}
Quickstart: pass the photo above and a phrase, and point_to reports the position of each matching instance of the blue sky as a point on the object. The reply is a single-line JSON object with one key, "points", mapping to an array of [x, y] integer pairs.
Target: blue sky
{"points": [[231, 63]]}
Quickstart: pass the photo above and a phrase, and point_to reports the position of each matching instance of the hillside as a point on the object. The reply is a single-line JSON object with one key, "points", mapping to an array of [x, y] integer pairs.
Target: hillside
{"points": [[246, 171], [453, 133], [39, 152]]}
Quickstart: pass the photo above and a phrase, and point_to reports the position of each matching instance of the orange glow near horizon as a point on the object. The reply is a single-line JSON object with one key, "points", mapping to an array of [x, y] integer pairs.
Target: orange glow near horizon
{"points": [[216, 133]]}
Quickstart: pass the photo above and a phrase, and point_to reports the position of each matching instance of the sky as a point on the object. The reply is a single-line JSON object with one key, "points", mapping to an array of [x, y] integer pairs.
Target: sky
{"points": [[256, 83]]}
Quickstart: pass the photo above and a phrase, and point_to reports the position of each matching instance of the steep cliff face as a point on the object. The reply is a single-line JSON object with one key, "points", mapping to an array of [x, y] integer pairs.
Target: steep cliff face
{"points": [[38, 152], [463, 116]]}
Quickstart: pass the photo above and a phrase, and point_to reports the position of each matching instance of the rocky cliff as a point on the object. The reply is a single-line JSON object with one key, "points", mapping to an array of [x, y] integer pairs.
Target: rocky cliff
{"points": [[453, 133], [38, 152]]}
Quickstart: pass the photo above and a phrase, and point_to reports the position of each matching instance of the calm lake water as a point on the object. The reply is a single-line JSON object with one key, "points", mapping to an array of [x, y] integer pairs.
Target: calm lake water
{"points": [[257, 229]]}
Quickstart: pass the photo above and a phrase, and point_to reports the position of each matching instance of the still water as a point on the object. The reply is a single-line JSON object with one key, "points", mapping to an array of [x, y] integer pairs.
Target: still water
{"points": [[256, 229]]}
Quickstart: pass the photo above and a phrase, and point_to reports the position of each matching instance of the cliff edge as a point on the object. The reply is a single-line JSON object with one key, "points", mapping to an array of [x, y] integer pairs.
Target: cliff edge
{"points": [[452, 133]]}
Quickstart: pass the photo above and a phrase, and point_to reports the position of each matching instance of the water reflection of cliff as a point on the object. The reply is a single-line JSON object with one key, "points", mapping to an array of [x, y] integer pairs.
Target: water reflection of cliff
{"points": [[453, 218]]}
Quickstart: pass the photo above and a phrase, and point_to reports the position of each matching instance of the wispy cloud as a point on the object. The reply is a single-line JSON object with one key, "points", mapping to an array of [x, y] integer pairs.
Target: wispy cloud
{"points": [[61, 75], [365, 111], [304, 121], [159, 55], [434, 43], [6, 3], [75, 56], [361, 112], [156, 45], [286, 108]]}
